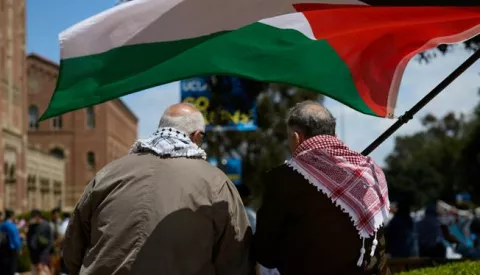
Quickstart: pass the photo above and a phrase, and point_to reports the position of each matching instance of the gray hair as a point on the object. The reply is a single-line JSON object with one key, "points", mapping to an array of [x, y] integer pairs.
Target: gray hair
{"points": [[311, 119], [188, 123]]}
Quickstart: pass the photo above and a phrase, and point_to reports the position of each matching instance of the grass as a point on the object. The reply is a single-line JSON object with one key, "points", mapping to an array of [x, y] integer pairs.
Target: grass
{"points": [[463, 268]]}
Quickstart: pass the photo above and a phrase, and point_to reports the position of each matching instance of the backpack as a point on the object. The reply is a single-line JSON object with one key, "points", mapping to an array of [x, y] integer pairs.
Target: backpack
{"points": [[38, 240], [4, 244]]}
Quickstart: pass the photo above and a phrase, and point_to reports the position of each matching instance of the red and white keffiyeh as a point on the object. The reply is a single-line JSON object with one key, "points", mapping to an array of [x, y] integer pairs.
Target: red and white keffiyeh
{"points": [[352, 181]]}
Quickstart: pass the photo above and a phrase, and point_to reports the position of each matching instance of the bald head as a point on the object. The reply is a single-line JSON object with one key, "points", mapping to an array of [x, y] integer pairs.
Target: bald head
{"points": [[184, 117], [311, 119], [181, 109]]}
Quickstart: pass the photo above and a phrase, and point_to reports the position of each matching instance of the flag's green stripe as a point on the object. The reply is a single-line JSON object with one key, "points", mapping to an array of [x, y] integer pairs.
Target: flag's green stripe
{"points": [[257, 51]]}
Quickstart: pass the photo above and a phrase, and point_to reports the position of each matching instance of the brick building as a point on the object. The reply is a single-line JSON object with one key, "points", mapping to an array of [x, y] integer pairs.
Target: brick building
{"points": [[45, 180], [13, 102], [86, 139]]}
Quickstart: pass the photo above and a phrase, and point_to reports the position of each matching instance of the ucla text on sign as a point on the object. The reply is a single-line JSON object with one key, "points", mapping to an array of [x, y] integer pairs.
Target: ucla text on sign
{"points": [[232, 107]]}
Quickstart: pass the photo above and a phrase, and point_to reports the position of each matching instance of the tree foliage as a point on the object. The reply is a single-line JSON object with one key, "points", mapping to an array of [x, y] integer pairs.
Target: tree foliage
{"points": [[471, 45], [442, 159], [439, 161], [267, 147]]}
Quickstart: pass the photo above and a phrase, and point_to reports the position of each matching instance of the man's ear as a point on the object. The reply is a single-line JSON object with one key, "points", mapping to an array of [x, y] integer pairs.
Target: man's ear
{"points": [[298, 138], [197, 138]]}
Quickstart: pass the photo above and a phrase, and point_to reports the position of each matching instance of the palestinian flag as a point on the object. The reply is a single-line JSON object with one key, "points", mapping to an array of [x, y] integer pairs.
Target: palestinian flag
{"points": [[352, 51]]}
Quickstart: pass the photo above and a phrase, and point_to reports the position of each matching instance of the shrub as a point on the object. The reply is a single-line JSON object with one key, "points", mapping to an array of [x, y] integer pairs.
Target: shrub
{"points": [[23, 264], [463, 268], [26, 216]]}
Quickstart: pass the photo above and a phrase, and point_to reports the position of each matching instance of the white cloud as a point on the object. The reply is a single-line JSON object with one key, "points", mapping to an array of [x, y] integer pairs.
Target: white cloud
{"points": [[359, 130]]}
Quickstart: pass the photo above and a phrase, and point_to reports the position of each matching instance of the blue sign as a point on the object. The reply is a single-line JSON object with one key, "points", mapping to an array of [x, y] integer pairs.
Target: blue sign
{"points": [[232, 110], [464, 197], [232, 167]]}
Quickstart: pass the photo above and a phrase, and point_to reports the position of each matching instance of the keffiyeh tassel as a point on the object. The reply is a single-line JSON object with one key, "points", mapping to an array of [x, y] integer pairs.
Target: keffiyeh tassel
{"points": [[362, 253]]}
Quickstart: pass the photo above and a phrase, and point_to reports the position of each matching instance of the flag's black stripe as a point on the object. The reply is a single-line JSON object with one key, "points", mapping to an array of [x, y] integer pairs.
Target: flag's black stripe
{"points": [[422, 2]]}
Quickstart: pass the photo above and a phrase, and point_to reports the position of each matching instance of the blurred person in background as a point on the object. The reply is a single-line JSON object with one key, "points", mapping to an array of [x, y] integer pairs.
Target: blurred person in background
{"points": [[400, 230], [10, 244], [433, 234], [475, 229], [40, 243], [458, 230], [430, 234], [62, 232], [64, 224], [55, 223]]}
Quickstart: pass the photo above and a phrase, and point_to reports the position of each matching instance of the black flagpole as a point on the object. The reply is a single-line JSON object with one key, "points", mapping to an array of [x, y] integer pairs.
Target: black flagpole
{"points": [[408, 115]]}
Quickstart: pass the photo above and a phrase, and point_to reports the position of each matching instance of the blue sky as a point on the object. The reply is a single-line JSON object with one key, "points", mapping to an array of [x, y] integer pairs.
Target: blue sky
{"points": [[46, 19]]}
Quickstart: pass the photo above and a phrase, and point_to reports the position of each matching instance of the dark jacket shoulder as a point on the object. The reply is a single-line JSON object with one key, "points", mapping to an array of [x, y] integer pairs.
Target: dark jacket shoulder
{"points": [[283, 168]]}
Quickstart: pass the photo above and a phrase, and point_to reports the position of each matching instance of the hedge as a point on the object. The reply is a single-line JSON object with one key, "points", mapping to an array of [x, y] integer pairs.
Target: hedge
{"points": [[23, 264], [26, 216], [463, 268]]}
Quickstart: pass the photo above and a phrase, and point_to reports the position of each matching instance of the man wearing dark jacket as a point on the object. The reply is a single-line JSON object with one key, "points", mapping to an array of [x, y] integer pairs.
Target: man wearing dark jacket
{"points": [[323, 209], [40, 242]]}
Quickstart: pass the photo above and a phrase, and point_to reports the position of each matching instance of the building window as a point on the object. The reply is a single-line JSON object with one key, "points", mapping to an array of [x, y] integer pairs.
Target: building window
{"points": [[44, 185], [12, 172], [44, 193], [10, 177], [91, 160], [90, 118], [33, 117], [57, 122], [57, 188], [31, 192], [31, 183], [57, 152]]}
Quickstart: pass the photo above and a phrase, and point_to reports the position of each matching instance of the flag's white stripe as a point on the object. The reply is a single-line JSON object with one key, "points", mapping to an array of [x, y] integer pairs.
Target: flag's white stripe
{"points": [[295, 21], [147, 21]]}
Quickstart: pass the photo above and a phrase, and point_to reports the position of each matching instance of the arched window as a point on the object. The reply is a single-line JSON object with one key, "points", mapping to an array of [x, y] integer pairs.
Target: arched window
{"points": [[57, 122], [12, 171], [91, 160], [57, 152], [33, 117], [90, 118]]}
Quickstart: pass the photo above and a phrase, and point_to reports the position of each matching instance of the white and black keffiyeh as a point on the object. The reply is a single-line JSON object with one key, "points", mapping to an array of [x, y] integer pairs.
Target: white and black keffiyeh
{"points": [[169, 143]]}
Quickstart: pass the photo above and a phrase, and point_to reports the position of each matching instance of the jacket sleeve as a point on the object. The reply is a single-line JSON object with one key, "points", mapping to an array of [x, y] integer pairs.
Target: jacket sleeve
{"points": [[232, 252], [77, 237], [13, 236], [270, 223], [17, 242]]}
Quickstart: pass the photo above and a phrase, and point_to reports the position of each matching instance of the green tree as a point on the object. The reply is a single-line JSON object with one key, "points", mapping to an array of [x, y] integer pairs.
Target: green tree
{"points": [[471, 45], [444, 157], [426, 162], [439, 161], [469, 165]]}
